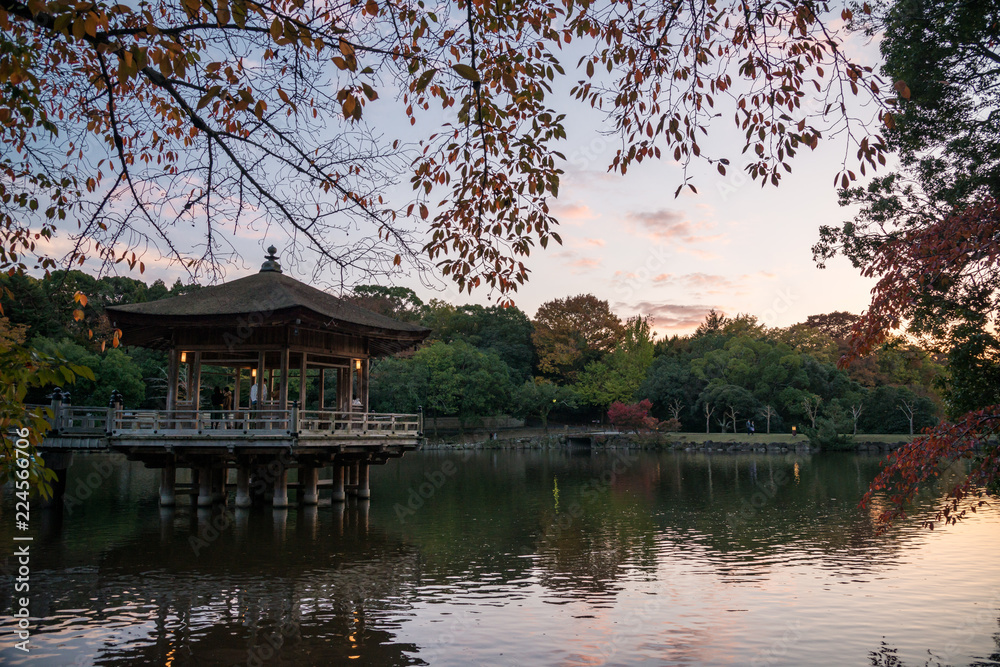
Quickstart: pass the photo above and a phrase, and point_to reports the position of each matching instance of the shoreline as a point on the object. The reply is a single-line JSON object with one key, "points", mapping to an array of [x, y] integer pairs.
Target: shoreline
{"points": [[581, 440]]}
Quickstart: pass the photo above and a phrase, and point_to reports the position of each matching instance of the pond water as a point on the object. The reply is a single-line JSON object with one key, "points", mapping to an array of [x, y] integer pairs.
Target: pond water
{"points": [[512, 558]]}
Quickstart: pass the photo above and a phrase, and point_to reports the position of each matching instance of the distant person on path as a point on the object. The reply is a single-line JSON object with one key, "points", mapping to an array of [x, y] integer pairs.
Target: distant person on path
{"points": [[749, 427]]}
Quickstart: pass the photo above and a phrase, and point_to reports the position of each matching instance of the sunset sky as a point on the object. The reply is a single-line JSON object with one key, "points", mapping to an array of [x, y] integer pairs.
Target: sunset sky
{"points": [[733, 246]]}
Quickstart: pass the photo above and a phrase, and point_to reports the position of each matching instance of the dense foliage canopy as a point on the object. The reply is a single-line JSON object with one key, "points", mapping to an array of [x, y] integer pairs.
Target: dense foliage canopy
{"points": [[483, 362], [928, 232]]}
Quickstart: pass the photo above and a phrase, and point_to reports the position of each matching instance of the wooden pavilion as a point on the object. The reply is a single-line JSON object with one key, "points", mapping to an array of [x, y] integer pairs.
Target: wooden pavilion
{"points": [[304, 353]]}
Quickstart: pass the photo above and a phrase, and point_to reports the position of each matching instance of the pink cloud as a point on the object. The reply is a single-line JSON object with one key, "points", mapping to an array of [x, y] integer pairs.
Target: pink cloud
{"points": [[584, 263], [699, 283], [587, 243], [668, 225], [572, 214], [676, 318]]}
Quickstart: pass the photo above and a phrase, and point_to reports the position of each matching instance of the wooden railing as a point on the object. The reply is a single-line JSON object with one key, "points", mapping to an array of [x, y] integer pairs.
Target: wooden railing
{"points": [[88, 421], [314, 422], [216, 422]]}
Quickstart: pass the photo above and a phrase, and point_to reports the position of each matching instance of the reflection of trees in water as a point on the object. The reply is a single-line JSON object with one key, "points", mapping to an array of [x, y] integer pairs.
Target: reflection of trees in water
{"points": [[888, 656], [315, 592], [729, 511], [760, 508]]}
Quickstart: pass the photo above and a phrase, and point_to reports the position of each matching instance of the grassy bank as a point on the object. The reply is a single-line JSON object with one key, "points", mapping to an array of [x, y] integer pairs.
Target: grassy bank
{"points": [[538, 436], [783, 438]]}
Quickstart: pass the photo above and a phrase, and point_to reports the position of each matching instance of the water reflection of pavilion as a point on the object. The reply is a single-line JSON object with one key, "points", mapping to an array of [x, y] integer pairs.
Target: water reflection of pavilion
{"points": [[281, 338], [260, 592]]}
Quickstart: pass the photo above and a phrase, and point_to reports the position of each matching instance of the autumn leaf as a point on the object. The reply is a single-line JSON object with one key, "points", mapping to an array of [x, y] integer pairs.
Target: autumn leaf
{"points": [[425, 79], [466, 72]]}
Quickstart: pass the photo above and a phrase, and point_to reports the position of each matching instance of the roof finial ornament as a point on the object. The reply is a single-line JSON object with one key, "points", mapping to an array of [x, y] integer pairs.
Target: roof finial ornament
{"points": [[272, 261]]}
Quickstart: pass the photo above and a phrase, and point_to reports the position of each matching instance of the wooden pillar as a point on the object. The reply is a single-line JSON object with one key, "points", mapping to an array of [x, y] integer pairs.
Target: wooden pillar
{"points": [[303, 369], [338, 484], [322, 388], [219, 484], [280, 498], [173, 370], [363, 382], [57, 462], [243, 485], [236, 389], [168, 480], [344, 389], [283, 387], [309, 480], [205, 486], [352, 481], [194, 386], [364, 493], [195, 484]]}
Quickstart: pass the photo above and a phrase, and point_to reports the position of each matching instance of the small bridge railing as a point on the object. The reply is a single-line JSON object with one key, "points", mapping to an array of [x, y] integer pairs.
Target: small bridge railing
{"points": [[83, 420], [316, 422]]}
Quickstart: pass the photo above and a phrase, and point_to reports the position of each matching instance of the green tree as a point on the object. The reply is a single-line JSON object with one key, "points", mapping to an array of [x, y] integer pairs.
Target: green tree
{"points": [[447, 380], [505, 331], [399, 303], [538, 397], [619, 375], [112, 370], [885, 411], [670, 381], [24, 370]]}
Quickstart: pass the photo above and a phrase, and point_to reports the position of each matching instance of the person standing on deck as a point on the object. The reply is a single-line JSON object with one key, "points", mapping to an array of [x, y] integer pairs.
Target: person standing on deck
{"points": [[227, 406], [253, 395], [218, 399]]}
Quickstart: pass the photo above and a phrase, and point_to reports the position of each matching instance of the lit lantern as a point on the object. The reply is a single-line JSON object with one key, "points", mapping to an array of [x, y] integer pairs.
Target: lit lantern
{"points": [[184, 357]]}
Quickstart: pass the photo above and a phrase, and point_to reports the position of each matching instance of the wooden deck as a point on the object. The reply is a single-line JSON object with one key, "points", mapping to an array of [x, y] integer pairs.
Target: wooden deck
{"points": [[134, 431]]}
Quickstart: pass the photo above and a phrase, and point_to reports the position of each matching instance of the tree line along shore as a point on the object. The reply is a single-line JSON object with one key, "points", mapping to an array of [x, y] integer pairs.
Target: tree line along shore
{"points": [[569, 364]]}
